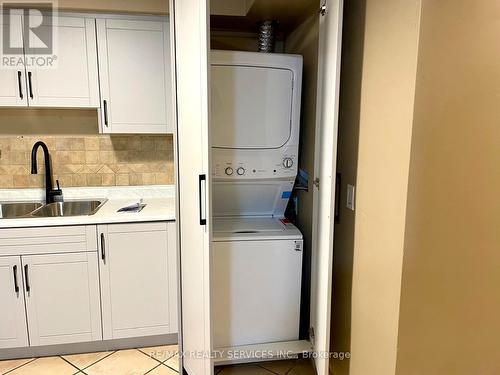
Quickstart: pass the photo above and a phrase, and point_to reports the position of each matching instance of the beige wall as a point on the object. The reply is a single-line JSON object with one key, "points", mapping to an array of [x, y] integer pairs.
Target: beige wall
{"points": [[120, 6], [347, 164], [385, 102], [16, 121], [450, 304]]}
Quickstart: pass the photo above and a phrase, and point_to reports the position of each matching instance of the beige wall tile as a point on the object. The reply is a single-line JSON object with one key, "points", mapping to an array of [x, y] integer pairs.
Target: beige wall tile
{"points": [[92, 143], [122, 179], [135, 179], [92, 157], [108, 179], [21, 181], [94, 180], [107, 157], [100, 160]]}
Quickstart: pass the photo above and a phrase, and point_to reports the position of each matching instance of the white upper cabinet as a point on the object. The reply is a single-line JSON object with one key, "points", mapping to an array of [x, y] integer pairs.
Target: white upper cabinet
{"points": [[13, 79], [13, 332], [134, 67], [73, 80]]}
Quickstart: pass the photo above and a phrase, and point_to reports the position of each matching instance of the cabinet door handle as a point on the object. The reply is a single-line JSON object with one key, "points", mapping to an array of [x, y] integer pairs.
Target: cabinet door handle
{"points": [[30, 85], [105, 105], [202, 194], [26, 279], [103, 248], [16, 285], [19, 82]]}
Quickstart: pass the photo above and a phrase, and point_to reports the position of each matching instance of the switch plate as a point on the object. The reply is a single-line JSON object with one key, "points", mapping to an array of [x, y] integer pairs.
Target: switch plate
{"points": [[351, 191]]}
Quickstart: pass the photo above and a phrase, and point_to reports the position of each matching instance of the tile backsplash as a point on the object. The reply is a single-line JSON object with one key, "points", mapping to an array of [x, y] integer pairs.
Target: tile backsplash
{"points": [[98, 160]]}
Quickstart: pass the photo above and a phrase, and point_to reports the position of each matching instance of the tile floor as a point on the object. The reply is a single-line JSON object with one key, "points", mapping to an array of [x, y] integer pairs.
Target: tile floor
{"points": [[158, 360]]}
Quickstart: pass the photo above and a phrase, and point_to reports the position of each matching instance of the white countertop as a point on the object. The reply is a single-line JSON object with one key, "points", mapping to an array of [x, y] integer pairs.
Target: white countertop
{"points": [[159, 200]]}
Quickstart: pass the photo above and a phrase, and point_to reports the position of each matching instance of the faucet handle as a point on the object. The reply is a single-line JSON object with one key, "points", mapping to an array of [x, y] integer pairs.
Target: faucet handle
{"points": [[57, 194]]}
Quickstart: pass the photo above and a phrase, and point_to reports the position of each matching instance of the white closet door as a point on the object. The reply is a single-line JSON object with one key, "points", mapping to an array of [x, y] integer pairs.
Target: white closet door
{"points": [[13, 78], [73, 80], [13, 328], [134, 67], [325, 169], [194, 214], [62, 298]]}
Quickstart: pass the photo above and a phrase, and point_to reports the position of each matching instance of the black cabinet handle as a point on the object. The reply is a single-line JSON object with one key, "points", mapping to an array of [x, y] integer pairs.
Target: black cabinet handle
{"points": [[103, 248], [338, 186], [16, 285], [203, 219], [105, 104], [30, 85], [19, 82], [26, 279]]}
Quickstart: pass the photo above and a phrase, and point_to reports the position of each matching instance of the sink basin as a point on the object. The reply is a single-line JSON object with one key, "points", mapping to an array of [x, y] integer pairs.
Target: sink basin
{"points": [[69, 208], [11, 210]]}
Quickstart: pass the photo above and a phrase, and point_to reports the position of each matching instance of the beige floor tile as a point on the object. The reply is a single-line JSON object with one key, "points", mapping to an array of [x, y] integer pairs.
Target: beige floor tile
{"points": [[163, 370], [303, 367], [279, 367], [161, 353], [173, 362], [46, 366], [11, 364], [84, 360], [123, 362], [244, 370]]}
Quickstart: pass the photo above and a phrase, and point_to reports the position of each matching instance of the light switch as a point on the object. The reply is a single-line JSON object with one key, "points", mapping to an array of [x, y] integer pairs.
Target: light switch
{"points": [[351, 190]]}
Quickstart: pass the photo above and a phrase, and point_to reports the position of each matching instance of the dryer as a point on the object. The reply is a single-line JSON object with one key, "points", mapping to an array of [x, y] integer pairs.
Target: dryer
{"points": [[257, 254]]}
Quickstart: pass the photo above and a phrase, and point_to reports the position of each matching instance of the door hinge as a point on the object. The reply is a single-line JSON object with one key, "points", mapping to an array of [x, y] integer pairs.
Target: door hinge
{"points": [[311, 335], [316, 182], [322, 9]]}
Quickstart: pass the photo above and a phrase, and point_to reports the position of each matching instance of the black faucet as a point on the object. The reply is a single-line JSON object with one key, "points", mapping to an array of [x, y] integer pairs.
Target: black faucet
{"points": [[50, 192]]}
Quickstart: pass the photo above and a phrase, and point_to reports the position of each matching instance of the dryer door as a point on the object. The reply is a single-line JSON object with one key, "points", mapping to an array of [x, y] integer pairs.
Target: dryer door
{"points": [[251, 107]]}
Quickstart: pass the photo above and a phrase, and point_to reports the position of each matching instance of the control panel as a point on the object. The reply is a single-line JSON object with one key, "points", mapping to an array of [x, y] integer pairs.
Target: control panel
{"points": [[254, 164]]}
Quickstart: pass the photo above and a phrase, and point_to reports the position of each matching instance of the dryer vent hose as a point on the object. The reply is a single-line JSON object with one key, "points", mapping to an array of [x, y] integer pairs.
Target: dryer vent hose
{"points": [[266, 36]]}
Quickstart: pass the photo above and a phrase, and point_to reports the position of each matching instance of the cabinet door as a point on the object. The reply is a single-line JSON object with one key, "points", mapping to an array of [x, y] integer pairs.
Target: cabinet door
{"points": [[73, 80], [62, 298], [13, 330], [134, 66], [12, 74], [138, 273]]}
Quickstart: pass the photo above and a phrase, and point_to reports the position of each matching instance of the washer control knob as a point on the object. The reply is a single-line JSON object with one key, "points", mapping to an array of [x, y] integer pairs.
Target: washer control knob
{"points": [[229, 171], [288, 162], [240, 171]]}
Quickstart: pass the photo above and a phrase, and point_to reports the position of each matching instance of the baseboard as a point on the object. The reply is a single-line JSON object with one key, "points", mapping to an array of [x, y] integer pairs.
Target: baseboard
{"points": [[88, 347], [261, 352]]}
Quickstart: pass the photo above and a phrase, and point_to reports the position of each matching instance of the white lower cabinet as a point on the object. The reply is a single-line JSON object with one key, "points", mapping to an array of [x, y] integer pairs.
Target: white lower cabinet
{"points": [[13, 331], [62, 298], [62, 285], [138, 279]]}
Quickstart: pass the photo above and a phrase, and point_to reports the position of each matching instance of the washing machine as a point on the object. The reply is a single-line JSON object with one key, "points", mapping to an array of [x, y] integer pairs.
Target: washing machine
{"points": [[256, 252], [256, 279]]}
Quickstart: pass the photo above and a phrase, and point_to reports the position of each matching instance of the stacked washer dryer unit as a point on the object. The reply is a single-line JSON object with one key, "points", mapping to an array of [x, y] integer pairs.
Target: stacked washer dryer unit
{"points": [[257, 253]]}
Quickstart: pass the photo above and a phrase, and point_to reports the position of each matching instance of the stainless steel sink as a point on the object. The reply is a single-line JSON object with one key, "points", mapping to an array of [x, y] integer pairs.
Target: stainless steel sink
{"points": [[69, 208], [12, 210]]}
